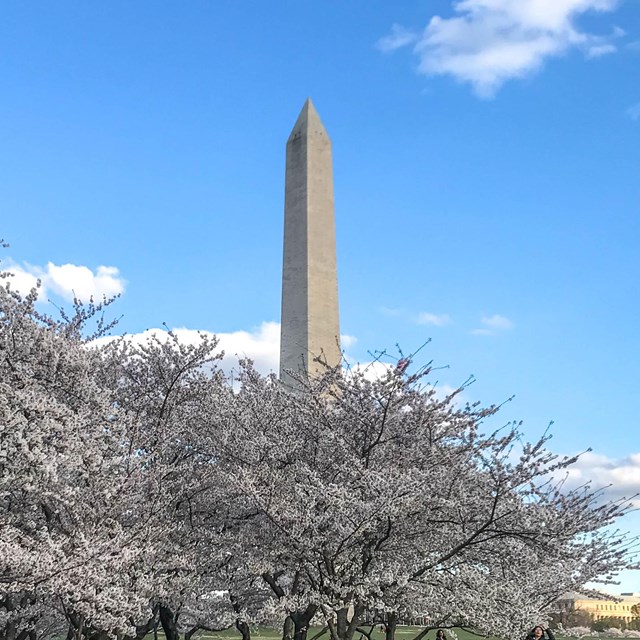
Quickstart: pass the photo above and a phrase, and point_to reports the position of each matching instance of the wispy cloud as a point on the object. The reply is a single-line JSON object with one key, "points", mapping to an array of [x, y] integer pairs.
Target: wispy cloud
{"points": [[489, 42], [391, 312], [493, 324], [347, 341], [597, 51], [422, 317], [399, 37], [617, 477], [66, 280], [634, 111], [433, 319]]}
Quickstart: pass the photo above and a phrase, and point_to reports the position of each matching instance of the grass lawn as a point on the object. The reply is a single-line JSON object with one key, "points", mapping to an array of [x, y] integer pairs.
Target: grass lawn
{"points": [[267, 633]]}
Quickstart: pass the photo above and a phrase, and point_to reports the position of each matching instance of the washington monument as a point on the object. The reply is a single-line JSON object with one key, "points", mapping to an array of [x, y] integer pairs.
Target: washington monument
{"points": [[310, 328]]}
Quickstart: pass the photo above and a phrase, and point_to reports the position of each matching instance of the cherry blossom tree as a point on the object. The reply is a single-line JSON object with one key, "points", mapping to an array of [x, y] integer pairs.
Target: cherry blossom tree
{"points": [[167, 389], [103, 490], [139, 487], [100, 481], [380, 496], [63, 544]]}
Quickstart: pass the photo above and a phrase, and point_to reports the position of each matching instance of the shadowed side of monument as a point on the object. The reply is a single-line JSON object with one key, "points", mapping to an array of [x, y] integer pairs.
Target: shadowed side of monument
{"points": [[310, 327]]}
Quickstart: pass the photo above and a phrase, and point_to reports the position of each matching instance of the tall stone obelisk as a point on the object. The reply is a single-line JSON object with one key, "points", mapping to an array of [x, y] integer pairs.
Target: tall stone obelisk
{"points": [[310, 328]]}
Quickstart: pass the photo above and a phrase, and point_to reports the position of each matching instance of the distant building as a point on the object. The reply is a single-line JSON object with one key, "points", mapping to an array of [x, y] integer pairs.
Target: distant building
{"points": [[573, 602]]}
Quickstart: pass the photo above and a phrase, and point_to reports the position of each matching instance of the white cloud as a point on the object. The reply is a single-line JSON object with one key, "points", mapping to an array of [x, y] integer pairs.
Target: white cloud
{"points": [[372, 371], [437, 320], [262, 344], [67, 280], [497, 322], [399, 37], [619, 32], [619, 478], [599, 50], [70, 280], [347, 341], [634, 111], [491, 324], [21, 279], [391, 312], [488, 42], [443, 391], [423, 317]]}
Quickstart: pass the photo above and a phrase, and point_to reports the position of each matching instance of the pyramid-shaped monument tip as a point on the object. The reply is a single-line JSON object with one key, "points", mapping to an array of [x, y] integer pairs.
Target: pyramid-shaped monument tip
{"points": [[308, 121]]}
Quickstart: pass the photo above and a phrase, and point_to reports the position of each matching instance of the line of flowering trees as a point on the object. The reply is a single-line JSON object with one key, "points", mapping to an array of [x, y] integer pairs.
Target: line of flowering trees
{"points": [[140, 489]]}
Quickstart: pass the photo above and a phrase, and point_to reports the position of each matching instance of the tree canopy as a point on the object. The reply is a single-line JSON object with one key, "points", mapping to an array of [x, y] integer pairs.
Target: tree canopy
{"points": [[140, 486]]}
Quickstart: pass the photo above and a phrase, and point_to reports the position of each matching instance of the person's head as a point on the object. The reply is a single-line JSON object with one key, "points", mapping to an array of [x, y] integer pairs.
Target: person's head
{"points": [[439, 634], [537, 632]]}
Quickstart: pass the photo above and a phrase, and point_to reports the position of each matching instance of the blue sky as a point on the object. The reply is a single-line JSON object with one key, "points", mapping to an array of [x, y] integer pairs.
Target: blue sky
{"points": [[486, 184]]}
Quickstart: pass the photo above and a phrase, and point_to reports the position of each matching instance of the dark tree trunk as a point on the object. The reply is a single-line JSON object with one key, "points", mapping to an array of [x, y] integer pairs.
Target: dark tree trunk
{"points": [[168, 622], [390, 626], [342, 623], [10, 630], [301, 621], [143, 629], [296, 624], [288, 629], [76, 626], [240, 624], [345, 627], [244, 629]]}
